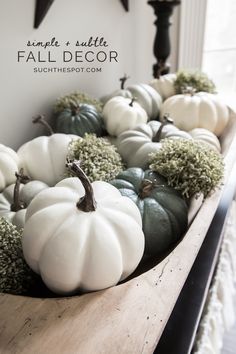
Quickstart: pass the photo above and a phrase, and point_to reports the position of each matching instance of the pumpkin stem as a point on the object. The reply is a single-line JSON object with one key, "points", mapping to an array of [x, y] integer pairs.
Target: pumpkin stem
{"points": [[147, 186], [75, 107], [41, 119], [166, 120], [20, 178], [188, 90], [123, 81], [132, 101], [86, 203]]}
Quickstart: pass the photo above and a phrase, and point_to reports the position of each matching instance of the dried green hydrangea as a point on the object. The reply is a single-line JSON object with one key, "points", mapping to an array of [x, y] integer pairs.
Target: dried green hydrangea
{"points": [[15, 275], [99, 158], [189, 166], [74, 99], [195, 79]]}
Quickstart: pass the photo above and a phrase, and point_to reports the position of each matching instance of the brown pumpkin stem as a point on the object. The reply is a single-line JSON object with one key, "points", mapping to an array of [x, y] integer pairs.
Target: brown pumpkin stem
{"points": [[41, 119], [86, 203], [75, 107], [147, 186], [123, 81], [17, 203], [132, 101], [166, 120]]}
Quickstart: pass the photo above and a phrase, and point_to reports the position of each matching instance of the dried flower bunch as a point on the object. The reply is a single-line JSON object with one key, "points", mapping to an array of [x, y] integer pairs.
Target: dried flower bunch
{"points": [[75, 98], [189, 166], [197, 80], [99, 159], [15, 275]]}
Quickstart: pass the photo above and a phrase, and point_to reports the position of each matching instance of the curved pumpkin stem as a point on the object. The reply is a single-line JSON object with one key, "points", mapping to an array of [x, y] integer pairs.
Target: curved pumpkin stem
{"points": [[147, 186], [86, 203], [132, 101], [74, 106], [123, 81], [20, 178], [166, 120], [41, 119]]}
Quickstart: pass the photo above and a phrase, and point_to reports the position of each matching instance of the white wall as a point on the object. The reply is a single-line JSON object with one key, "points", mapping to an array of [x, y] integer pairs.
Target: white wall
{"points": [[25, 93]]}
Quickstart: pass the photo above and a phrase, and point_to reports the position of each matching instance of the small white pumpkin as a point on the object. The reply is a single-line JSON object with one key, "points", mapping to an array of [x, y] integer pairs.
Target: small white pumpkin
{"points": [[135, 145], [145, 95], [15, 198], [122, 114], [44, 157], [82, 236], [122, 91], [164, 85], [197, 110], [9, 164]]}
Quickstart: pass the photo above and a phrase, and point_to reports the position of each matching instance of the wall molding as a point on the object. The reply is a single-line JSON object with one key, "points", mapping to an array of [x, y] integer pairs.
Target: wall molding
{"points": [[191, 36]]}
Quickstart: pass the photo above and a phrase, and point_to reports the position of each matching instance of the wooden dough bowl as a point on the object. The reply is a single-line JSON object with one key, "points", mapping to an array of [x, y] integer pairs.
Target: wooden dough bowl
{"points": [[128, 318]]}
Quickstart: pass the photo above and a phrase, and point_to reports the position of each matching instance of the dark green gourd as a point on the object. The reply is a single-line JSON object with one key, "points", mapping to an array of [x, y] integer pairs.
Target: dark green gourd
{"points": [[164, 212]]}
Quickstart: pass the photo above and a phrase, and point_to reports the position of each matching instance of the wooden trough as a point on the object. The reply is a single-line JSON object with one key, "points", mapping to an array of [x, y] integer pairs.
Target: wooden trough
{"points": [[128, 318]]}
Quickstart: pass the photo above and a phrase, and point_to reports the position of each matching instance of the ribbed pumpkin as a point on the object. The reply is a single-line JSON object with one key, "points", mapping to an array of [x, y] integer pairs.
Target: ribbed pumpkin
{"points": [[164, 212], [9, 164], [164, 85], [80, 119], [15, 198], [135, 145], [148, 98], [197, 110]]}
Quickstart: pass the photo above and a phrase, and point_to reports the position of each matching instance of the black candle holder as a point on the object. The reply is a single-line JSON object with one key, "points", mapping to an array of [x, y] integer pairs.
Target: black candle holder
{"points": [[162, 47]]}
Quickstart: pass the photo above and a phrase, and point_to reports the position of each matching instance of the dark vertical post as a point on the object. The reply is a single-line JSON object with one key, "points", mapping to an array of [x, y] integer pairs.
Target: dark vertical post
{"points": [[163, 10]]}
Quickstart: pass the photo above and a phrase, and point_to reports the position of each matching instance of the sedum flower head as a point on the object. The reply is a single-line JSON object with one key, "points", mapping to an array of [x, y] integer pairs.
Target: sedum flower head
{"points": [[196, 79], [74, 99], [15, 275], [99, 159], [189, 166]]}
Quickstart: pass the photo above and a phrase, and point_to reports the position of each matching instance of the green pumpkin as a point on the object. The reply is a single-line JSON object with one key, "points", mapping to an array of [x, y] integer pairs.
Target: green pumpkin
{"points": [[80, 119], [163, 210]]}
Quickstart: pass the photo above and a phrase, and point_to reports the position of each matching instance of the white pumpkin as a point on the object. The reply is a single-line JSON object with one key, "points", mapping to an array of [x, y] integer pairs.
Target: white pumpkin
{"points": [[122, 91], [198, 110], [15, 199], [44, 158], [82, 236], [135, 145], [148, 98], [164, 85], [145, 95], [122, 114], [9, 164], [209, 138]]}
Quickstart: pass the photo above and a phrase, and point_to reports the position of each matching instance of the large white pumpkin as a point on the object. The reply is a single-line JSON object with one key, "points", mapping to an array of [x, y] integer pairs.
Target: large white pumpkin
{"points": [[9, 165], [164, 85], [44, 158], [122, 114], [79, 240], [199, 110]]}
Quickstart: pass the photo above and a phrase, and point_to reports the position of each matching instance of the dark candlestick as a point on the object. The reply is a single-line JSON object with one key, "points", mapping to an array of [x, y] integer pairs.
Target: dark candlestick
{"points": [[163, 10], [125, 3], [42, 7]]}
